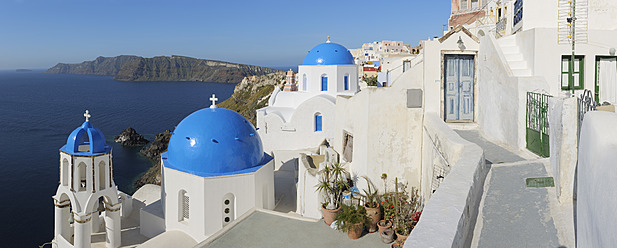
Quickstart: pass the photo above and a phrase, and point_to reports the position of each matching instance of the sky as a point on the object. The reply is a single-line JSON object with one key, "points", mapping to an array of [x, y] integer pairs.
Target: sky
{"points": [[37, 34]]}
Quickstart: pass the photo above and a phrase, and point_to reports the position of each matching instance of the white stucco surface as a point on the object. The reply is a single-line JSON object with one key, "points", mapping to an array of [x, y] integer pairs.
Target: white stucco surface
{"points": [[451, 212], [596, 181], [206, 197], [563, 121]]}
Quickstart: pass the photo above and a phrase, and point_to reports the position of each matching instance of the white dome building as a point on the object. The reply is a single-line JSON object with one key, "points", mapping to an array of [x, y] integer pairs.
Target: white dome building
{"points": [[304, 118], [214, 171]]}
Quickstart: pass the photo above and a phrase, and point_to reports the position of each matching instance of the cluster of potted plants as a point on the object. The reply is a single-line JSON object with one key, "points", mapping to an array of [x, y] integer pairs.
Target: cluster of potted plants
{"points": [[401, 211]]}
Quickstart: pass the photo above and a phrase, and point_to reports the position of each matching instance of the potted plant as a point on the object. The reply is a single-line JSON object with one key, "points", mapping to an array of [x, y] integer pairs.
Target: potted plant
{"points": [[403, 210], [352, 219], [384, 225], [331, 184], [371, 204], [387, 236]]}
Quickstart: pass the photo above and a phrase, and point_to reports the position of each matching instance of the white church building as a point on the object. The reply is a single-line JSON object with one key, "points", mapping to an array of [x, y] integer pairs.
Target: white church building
{"points": [[303, 115], [214, 171]]}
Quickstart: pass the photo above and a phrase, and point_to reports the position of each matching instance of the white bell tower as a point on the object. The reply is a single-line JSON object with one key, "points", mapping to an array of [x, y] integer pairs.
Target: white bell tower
{"points": [[87, 199]]}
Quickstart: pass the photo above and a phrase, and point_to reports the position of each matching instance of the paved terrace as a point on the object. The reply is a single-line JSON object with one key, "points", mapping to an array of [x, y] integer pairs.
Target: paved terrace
{"points": [[511, 214], [269, 229]]}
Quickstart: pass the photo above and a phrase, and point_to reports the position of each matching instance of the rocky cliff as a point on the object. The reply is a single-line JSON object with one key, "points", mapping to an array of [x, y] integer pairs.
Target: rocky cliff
{"points": [[153, 152], [253, 93], [100, 66], [162, 68]]}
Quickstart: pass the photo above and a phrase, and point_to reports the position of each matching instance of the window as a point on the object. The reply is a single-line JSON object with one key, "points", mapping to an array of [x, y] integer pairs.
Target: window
{"points": [[474, 4], [102, 181], [229, 213], [82, 177], [65, 172], [318, 122], [304, 82], [184, 207], [463, 4], [577, 75], [324, 83], [346, 79]]}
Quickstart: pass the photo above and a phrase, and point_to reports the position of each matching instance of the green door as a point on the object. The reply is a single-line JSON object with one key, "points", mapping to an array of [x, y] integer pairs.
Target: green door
{"points": [[537, 124]]}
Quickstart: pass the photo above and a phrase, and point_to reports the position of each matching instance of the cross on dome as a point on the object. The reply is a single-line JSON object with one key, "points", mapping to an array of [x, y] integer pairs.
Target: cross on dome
{"points": [[328, 41], [87, 115], [213, 99]]}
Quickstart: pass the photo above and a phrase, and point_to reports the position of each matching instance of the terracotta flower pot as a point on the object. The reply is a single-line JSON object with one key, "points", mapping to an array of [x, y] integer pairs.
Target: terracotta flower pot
{"points": [[329, 215], [384, 225], [401, 238], [387, 236], [355, 231], [396, 244], [374, 214]]}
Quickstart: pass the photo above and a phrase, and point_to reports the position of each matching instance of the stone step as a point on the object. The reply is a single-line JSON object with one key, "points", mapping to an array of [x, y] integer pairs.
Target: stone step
{"points": [[521, 72], [518, 64], [513, 56]]}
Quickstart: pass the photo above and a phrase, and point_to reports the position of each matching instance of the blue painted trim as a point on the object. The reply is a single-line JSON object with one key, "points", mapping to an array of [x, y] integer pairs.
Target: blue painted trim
{"points": [[346, 82], [318, 123], [324, 83]]}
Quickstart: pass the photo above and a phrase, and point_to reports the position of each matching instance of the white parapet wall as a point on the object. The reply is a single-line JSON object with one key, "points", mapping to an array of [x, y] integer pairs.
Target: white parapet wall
{"points": [[449, 217], [596, 181], [563, 121]]}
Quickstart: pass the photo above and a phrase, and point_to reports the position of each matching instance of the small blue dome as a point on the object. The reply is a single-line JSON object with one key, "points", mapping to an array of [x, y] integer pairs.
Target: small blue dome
{"points": [[214, 141], [328, 54], [77, 144]]}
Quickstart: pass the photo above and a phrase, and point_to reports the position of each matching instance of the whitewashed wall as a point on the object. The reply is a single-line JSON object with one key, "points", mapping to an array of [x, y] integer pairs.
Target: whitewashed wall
{"points": [[449, 217], [387, 136], [502, 98], [597, 180], [563, 125]]}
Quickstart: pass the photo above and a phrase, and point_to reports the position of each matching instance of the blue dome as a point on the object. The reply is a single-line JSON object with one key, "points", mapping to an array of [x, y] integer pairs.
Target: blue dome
{"points": [[328, 54], [214, 141], [77, 144]]}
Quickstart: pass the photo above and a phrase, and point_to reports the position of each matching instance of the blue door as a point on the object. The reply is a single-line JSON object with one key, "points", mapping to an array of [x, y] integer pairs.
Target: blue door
{"points": [[324, 83], [459, 83]]}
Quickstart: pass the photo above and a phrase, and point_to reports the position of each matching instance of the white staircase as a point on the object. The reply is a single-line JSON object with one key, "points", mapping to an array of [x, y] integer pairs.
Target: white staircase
{"points": [[514, 57]]}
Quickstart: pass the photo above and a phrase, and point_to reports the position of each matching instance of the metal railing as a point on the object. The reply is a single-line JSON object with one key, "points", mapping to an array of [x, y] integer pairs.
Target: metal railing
{"points": [[500, 27], [585, 104]]}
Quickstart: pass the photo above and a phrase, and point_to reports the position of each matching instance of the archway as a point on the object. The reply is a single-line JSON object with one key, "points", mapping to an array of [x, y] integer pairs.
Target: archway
{"points": [[64, 219]]}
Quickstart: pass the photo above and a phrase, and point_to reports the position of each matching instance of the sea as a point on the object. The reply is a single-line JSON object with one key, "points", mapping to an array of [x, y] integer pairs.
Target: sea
{"points": [[38, 111]]}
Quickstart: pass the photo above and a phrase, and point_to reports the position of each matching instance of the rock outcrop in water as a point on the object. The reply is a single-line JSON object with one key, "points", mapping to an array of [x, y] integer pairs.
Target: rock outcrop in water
{"points": [[163, 68], [130, 137], [153, 152]]}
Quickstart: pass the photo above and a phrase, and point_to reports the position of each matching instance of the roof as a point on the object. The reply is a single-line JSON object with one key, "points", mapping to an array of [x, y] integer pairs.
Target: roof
{"points": [[213, 142], [328, 54], [86, 140]]}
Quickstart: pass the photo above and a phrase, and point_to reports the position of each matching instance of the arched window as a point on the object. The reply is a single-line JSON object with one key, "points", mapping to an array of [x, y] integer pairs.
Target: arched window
{"points": [[81, 168], [102, 181], [324, 82], [346, 81], [229, 208], [304, 82], [183, 206], [65, 172], [318, 122]]}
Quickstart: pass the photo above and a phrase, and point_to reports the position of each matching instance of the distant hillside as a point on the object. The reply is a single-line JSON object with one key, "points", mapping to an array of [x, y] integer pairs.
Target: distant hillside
{"points": [[174, 68]]}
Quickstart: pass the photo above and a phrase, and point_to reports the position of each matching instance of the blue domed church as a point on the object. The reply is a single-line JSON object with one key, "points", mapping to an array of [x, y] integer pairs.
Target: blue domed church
{"points": [[214, 171], [303, 115]]}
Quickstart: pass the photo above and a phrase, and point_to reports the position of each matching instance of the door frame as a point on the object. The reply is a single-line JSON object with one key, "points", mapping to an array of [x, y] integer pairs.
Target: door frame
{"points": [[445, 53], [596, 85]]}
